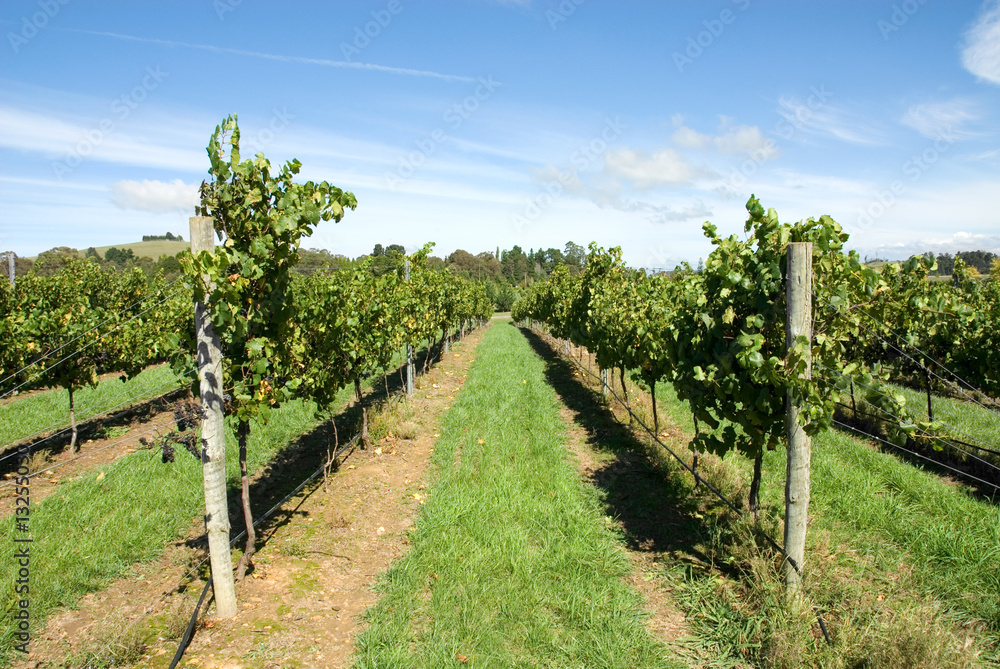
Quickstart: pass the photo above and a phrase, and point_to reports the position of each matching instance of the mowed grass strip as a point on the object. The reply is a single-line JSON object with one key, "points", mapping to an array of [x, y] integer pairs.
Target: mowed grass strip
{"points": [[513, 563]]}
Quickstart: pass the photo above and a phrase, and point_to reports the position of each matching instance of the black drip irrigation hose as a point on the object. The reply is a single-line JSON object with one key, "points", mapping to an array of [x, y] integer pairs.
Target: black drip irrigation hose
{"points": [[189, 632], [774, 544], [946, 442], [186, 640]]}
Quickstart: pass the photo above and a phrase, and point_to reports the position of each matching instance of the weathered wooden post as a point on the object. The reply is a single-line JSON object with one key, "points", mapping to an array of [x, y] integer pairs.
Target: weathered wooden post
{"points": [[213, 452], [798, 301], [409, 345]]}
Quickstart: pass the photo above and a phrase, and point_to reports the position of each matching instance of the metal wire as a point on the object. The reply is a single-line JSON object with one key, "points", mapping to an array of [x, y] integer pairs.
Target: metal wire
{"points": [[79, 350]]}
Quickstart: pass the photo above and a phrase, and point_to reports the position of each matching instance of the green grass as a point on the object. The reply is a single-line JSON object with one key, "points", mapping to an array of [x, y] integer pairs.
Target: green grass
{"points": [[513, 563], [967, 417], [880, 529], [21, 417]]}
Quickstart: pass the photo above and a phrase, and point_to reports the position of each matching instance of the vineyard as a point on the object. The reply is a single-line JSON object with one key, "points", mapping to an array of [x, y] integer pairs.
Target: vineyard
{"points": [[630, 437]]}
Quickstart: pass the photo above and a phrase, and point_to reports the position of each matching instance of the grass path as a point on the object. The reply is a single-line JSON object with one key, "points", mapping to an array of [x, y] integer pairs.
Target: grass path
{"points": [[513, 563]]}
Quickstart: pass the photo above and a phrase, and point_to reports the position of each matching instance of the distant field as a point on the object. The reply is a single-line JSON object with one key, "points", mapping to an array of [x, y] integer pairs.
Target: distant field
{"points": [[143, 249], [148, 249]]}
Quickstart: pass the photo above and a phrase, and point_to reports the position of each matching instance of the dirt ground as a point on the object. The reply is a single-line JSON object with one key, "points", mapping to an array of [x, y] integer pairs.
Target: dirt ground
{"points": [[314, 570]]}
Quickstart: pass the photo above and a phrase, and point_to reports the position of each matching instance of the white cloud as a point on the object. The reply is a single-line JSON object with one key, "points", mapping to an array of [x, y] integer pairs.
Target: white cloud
{"points": [[981, 53], [155, 196], [643, 171], [937, 119], [686, 138], [746, 139], [731, 140], [667, 214]]}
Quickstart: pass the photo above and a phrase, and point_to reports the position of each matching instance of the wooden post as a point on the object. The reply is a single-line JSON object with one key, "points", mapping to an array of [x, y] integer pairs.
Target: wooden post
{"points": [[930, 407], [10, 266], [213, 453], [798, 302], [604, 383], [409, 345]]}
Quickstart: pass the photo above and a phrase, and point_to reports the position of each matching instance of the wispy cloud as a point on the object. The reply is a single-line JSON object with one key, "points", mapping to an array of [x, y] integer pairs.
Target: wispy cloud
{"points": [[934, 119], [323, 62], [830, 121], [658, 213], [981, 53], [154, 196], [57, 138]]}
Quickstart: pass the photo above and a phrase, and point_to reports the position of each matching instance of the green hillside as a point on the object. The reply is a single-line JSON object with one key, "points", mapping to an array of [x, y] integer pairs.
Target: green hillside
{"points": [[148, 249]]}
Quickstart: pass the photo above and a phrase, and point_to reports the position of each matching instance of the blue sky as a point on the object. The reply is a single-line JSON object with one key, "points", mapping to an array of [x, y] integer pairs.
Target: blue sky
{"points": [[485, 123]]}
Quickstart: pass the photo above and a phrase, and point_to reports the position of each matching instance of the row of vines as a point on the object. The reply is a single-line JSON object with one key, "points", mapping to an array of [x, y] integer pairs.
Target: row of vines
{"points": [[718, 336], [281, 334]]}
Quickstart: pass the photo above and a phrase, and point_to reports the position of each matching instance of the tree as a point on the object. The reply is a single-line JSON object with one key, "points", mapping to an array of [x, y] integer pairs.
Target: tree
{"points": [[576, 255], [119, 256], [49, 262], [553, 257], [247, 281], [378, 251]]}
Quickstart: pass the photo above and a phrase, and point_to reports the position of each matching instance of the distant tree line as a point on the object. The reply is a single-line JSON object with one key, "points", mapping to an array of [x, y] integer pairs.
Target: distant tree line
{"points": [[170, 237], [981, 260], [504, 272], [49, 262]]}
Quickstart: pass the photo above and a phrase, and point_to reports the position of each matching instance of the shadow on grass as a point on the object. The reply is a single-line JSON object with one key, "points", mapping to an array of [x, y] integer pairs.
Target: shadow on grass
{"points": [[652, 502]]}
